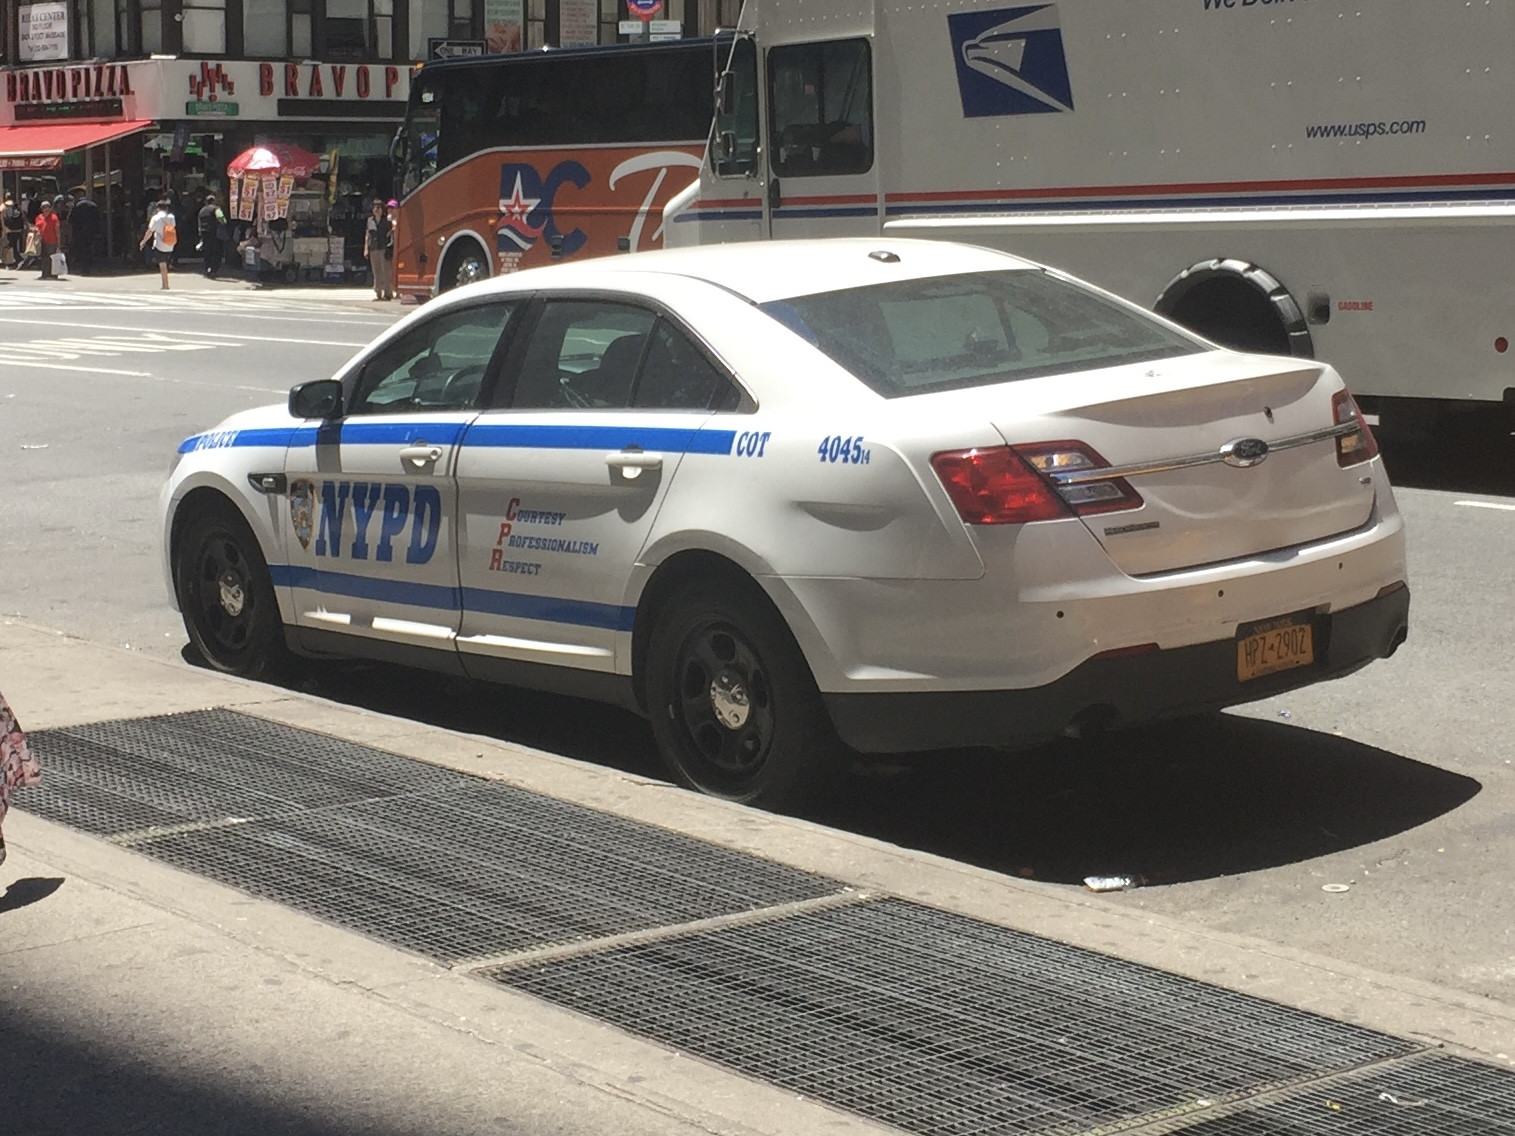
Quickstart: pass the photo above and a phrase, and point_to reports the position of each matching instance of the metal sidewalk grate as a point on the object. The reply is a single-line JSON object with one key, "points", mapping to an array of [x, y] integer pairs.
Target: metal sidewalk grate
{"points": [[1426, 1095], [482, 870], [942, 1025], [123, 776]]}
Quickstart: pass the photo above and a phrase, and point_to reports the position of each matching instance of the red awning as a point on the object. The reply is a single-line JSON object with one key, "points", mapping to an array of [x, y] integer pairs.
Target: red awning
{"points": [[42, 146]]}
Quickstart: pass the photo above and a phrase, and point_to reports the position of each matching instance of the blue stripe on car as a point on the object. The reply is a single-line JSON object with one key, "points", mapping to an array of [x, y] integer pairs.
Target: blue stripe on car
{"points": [[495, 435], [435, 597]]}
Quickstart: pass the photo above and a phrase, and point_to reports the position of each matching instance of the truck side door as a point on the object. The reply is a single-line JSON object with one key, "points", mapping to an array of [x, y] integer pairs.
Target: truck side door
{"points": [[822, 173]]}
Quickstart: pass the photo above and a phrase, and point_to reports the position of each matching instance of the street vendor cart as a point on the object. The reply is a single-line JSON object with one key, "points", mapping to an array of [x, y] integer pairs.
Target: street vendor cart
{"points": [[280, 208]]}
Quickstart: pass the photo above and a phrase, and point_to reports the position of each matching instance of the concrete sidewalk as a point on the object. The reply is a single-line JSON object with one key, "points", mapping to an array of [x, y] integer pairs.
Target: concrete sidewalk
{"points": [[140, 998], [189, 278]]}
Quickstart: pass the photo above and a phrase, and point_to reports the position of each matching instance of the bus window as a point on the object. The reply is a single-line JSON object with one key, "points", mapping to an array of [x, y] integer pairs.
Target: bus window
{"points": [[821, 100], [736, 125]]}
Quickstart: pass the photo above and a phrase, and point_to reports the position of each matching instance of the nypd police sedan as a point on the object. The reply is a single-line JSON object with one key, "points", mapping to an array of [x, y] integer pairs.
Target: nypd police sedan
{"points": [[792, 500]]}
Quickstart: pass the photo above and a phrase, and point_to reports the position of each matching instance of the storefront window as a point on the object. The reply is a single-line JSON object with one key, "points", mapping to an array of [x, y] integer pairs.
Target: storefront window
{"points": [[102, 25], [152, 27], [205, 27], [264, 34]]}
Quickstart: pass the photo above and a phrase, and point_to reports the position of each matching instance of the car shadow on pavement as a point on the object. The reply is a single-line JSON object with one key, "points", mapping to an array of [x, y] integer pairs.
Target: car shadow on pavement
{"points": [[1467, 453], [1186, 801]]}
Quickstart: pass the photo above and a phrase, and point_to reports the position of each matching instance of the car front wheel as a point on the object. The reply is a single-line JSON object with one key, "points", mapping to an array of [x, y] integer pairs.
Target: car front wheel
{"points": [[734, 708], [226, 596]]}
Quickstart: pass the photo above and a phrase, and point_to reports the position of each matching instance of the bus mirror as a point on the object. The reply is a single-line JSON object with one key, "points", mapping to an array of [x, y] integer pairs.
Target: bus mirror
{"points": [[726, 147]]}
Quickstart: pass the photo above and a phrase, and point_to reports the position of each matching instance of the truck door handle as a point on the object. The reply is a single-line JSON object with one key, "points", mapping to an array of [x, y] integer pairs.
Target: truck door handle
{"points": [[632, 462], [422, 455]]}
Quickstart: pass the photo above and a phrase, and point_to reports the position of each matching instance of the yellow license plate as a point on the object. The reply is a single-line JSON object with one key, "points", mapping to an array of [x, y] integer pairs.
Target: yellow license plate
{"points": [[1277, 645]]}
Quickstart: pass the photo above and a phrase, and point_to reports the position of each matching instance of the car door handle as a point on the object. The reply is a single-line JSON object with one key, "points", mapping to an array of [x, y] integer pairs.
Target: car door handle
{"points": [[419, 456], [634, 459]]}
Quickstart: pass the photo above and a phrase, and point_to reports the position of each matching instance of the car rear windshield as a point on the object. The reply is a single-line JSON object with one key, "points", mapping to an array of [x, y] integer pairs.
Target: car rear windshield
{"points": [[947, 332]]}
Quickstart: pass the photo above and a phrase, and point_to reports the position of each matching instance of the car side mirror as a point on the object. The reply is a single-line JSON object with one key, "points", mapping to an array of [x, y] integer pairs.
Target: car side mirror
{"points": [[321, 398]]}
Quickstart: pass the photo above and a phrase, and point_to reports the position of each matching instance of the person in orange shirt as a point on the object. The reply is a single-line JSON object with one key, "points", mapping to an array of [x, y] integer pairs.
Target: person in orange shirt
{"points": [[47, 232]]}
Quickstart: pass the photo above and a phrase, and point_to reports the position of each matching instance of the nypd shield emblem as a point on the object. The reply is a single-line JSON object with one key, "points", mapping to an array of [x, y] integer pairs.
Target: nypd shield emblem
{"points": [[302, 510]]}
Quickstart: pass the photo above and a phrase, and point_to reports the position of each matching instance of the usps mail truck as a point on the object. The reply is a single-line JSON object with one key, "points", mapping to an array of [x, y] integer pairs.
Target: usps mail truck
{"points": [[1332, 179]]}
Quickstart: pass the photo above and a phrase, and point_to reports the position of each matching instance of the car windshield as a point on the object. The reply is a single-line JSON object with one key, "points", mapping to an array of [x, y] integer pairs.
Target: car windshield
{"points": [[976, 329]]}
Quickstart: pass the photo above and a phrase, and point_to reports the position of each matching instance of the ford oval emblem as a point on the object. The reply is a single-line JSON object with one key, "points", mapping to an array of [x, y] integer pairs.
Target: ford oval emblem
{"points": [[1244, 453]]}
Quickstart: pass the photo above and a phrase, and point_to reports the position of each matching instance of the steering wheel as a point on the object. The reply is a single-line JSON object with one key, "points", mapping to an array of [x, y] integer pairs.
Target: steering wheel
{"points": [[463, 387]]}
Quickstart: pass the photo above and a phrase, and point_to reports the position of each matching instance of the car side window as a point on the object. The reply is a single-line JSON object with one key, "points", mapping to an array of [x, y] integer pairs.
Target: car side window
{"points": [[438, 365], [583, 354], [676, 375]]}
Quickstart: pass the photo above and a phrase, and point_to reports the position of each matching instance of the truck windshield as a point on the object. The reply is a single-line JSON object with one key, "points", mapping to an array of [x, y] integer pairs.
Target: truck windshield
{"points": [[976, 329]]}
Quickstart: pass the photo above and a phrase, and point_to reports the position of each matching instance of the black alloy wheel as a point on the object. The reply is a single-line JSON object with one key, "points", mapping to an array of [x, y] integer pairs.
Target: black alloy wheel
{"points": [[226, 597], [734, 707]]}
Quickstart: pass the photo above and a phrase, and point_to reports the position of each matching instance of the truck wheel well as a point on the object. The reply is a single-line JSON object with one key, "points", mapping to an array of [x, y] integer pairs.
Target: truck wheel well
{"points": [[667, 581], [1238, 305]]}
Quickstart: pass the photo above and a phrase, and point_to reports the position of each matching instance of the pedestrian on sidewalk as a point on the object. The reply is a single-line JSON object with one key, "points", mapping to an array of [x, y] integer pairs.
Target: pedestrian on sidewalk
{"points": [[17, 765], [13, 222], [86, 227], [163, 234], [378, 248], [48, 225], [213, 234]]}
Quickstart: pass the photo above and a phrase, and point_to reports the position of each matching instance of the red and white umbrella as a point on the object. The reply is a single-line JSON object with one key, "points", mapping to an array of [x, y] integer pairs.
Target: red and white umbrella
{"points": [[275, 157]]}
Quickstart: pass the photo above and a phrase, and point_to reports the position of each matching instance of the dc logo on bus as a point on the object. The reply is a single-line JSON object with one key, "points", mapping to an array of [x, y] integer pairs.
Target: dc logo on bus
{"points": [[526, 202], [1011, 61]]}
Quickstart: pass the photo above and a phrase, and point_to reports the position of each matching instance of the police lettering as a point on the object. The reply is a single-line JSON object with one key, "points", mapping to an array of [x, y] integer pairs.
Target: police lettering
{"points": [[396, 507]]}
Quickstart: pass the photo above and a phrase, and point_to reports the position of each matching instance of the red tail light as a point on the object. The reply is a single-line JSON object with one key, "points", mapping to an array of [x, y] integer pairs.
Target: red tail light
{"points": [[1006, 485], [1359, 446]]}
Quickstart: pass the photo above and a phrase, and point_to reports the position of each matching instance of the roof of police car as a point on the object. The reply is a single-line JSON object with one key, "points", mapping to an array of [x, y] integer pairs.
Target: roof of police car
{"points": [[761, 271]]}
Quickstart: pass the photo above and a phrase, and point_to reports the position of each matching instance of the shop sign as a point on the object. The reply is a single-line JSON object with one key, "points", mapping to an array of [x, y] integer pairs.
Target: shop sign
{"points": [[49, 112], [329, 81], [43, 162], [67, 84], [504, 22], [44, 31], [199, 108], [578, 23]]}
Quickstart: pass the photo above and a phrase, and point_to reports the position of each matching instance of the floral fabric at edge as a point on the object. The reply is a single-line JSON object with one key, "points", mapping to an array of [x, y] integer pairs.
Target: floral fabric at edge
{"points": [[17, 765]]}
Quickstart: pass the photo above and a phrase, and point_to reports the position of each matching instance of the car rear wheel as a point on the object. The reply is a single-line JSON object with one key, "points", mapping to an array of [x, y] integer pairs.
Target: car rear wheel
{"points": [[226, 596], [734, 708]]}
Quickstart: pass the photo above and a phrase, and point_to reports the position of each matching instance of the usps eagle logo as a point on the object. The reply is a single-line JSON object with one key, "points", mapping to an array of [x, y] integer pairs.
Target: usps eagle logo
{"points": [[302, 510], [1011, 61]]}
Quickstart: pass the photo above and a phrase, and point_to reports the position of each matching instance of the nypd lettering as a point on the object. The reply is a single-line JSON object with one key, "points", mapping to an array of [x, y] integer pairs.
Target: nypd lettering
{"points": [[383, 516]]}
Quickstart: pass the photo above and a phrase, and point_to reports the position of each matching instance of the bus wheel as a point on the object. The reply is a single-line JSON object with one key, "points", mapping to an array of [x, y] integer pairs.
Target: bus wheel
{"points": [[465, 264], [1237, 305]]}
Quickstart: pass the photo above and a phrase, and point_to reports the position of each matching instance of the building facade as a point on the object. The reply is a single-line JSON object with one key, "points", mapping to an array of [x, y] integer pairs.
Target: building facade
{"points": [[130, 98]]}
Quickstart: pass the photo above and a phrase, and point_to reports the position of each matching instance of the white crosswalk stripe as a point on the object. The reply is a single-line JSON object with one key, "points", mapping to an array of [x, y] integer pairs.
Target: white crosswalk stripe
{"points": [[55, 299]]}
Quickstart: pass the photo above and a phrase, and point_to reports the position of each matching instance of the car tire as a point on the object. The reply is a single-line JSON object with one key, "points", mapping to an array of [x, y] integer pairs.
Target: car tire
{"points": [[227, 599], [734, 707]]}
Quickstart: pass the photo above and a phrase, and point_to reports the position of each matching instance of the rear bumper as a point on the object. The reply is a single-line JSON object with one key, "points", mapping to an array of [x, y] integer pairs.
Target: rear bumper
{"points": [[1121, 691]]}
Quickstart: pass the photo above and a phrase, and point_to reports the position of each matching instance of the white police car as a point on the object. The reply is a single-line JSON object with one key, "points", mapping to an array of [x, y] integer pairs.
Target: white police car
{"points": [[901, 495]]}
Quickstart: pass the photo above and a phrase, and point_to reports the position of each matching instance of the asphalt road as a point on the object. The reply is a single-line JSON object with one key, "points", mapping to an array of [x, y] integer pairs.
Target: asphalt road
{"points": [[1371, 819]]}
